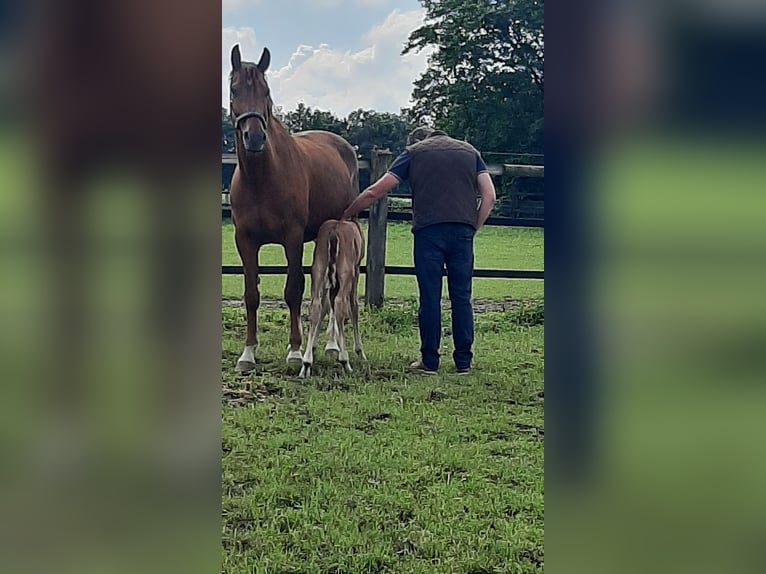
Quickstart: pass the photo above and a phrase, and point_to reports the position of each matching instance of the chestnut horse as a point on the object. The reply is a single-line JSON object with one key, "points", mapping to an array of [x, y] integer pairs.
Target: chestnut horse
{"points": [[284, 187]]}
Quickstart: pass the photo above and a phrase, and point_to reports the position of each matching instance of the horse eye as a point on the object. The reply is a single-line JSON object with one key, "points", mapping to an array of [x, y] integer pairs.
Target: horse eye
{"points": [[233, 93]]}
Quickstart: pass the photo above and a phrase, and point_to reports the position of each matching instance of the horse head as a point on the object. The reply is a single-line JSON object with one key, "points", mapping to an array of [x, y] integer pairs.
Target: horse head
{"points": [[250, 100]]}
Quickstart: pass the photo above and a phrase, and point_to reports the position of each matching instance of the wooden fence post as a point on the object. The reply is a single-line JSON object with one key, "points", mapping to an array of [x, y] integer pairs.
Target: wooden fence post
{"points": [[375, 279]]}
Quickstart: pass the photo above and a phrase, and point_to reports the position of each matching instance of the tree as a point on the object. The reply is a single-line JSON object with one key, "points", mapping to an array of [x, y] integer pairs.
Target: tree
{"points": [[484, 81], [304, 118], [364, 129], [367, 129]]}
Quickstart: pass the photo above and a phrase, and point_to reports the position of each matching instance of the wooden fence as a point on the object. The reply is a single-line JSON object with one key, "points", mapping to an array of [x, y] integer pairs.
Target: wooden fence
{"points": [[378, 217]]}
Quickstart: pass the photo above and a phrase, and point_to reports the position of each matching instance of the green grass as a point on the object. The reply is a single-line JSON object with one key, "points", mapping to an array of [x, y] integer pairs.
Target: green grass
{"points": [[495, 248], [382, 470]]}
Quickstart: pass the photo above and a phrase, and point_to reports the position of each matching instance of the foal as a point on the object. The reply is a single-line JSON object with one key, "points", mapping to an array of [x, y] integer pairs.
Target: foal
{"points": [[334, 279]]}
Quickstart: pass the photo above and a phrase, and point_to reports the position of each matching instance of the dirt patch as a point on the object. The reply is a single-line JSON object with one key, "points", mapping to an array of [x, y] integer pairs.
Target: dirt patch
{"points": [[532, 556], [436, 396], [242, 397], [534, 431], [246, 393]]}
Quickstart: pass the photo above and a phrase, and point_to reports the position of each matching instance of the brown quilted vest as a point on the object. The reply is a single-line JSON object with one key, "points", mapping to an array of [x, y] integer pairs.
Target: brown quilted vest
{"points": [[442, 176]]}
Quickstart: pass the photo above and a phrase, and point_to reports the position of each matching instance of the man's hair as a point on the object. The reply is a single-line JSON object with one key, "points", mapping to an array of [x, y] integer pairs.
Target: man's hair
{"points": [[419, 134]]}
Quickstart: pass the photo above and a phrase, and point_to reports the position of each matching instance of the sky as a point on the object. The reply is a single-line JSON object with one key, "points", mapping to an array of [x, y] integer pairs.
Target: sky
{"points": [[334, 55]]}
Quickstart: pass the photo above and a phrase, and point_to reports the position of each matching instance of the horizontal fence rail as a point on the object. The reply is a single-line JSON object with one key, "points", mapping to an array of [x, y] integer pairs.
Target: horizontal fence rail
{"points": [[494, 221], [392, 270], [405, 216], [514, 170]]}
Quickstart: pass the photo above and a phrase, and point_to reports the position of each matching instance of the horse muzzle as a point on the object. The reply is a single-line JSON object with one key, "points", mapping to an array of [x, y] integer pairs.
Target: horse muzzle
{"points": [[254, 141]]}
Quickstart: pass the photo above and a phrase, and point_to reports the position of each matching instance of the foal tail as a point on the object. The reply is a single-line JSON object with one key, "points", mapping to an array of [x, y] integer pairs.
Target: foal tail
{"points": [[331, 277]]}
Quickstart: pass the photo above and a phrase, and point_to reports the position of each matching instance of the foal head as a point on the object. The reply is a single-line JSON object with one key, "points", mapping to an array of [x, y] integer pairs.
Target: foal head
{"points": [[250, 99]]}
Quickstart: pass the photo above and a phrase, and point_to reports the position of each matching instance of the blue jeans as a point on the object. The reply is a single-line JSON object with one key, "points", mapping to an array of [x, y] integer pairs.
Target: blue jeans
{"points": [[437, 246]]}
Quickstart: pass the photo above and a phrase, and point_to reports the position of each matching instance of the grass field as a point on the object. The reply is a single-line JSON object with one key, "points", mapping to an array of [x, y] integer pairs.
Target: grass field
{"points": [[382, 470], [495, 248]]}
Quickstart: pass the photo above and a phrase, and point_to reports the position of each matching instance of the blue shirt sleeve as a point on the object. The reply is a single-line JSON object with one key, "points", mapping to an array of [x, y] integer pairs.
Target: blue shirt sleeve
{"points": [[400, 169], [481, 167]]}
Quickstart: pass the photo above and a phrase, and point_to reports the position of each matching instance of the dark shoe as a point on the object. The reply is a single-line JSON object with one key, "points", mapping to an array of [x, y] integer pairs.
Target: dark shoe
{"points": [[418, 367], [466, 371]]}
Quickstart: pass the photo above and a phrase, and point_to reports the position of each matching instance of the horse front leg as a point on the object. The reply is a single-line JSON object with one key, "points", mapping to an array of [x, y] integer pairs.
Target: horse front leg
{"points": [[249, 256], [293, 298]]}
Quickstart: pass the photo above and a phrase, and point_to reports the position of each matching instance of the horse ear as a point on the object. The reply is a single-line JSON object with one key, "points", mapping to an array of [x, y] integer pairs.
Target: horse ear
{"points": [[236, 58], [263, 63]]}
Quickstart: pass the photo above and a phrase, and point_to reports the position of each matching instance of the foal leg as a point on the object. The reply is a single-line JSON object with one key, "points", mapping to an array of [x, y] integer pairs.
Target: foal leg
{"points": [[319, 308], [331, 349], [355, 322], [249, 256], [293, 298], [341, 314]]}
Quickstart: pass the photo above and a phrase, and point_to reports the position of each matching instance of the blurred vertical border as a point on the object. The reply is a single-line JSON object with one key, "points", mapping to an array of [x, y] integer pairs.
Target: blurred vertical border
{"points": [[109, 290], [656, 321]]}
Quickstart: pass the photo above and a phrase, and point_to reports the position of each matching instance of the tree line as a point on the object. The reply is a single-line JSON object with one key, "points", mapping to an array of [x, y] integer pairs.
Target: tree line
{"points": [[363, 129]]}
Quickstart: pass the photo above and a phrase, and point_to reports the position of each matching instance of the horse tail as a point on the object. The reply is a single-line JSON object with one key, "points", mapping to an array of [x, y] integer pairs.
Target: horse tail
{"points": [[331, 278]]}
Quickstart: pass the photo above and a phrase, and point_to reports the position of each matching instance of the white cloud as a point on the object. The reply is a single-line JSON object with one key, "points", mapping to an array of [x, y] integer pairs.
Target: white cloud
{"points": [[236, 5], [245, 37], [336, 3], [396, 28], [376, 77]]}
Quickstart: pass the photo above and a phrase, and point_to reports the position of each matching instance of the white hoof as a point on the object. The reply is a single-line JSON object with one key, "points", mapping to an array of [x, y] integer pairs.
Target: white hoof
{"points": [[305, 371], [295, 359], [332, 350], [245, 367], [246, 361]]}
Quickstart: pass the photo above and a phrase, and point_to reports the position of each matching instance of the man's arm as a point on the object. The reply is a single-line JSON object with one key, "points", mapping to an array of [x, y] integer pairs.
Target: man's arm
{"points": [[487, 194], [371, 195]]}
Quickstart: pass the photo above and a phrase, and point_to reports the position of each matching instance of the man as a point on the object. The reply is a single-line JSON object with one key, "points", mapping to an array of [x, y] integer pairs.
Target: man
{"points": [[445, 176]]}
